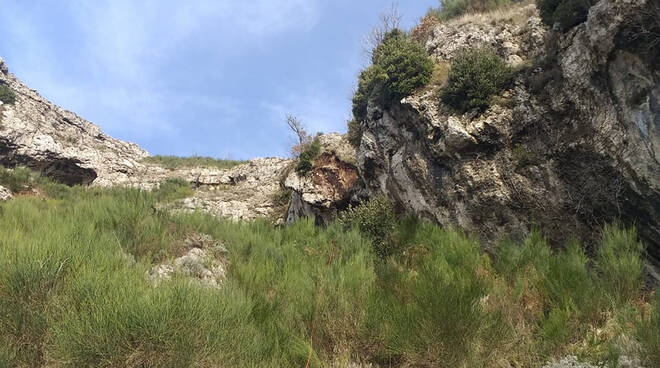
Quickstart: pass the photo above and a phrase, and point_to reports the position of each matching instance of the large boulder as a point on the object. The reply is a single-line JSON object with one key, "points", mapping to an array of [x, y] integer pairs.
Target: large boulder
{"points": [[329, 187], [572, 145]]}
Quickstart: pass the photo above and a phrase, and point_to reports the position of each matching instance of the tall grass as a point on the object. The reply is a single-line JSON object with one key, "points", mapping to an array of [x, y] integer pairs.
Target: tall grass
{"points": [[176, 162], [74, 291]]}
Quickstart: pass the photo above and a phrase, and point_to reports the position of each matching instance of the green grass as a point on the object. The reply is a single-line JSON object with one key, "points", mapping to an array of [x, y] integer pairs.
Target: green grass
{"points": [[71, 296], [175, 162]]}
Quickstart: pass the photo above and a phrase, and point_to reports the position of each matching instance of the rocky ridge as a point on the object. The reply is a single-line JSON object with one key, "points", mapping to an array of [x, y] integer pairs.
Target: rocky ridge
{"points": [[58, 143]]}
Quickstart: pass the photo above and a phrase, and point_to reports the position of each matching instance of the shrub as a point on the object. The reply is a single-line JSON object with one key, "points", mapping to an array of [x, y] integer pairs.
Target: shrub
{"points": [[400, 65], [565, 13], [475, 76], [307, 157], [354, 134], [7, 95], [455, 8], [375, 220]]}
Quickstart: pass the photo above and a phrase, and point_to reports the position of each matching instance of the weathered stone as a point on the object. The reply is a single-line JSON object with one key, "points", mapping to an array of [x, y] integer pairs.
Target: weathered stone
{"points": [[329, 186], [568, 148], [58, 143], [5, 194]]}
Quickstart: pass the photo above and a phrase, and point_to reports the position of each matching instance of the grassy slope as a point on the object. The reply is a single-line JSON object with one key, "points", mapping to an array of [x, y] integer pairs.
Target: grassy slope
{"points": [[175, 162], [70, 297]]}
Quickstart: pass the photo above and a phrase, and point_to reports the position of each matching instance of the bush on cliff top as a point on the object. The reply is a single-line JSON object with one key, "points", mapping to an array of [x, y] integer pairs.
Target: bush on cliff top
{"points": [[475, 76], [400, 65]]}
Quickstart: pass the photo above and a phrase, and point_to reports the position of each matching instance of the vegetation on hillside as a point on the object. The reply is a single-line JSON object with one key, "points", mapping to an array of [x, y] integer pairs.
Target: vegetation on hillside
{"points": [[400, 65], [6, 94], [449, 9], [475, 76], [74, 291], [176, 162]]}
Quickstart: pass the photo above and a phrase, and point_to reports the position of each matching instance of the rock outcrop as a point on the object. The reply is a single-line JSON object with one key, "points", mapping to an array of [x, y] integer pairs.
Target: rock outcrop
{"points": [[572, 145], [57, 143], [329, 187], [245, 192]]}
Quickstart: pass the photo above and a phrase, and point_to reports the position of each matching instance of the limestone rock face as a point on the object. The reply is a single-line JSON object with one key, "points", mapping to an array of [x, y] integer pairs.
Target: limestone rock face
{"points": [[5, 194], [572, 145], [38, 134], [244, 192], [329, 186]]}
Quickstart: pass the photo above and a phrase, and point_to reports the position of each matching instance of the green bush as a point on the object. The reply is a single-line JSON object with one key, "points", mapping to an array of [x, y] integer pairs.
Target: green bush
{"points": [[375, 220], [475, 76], [306, 159], [400, 65], [354, 134], [565, 13], [7, 95], [455, 8]]}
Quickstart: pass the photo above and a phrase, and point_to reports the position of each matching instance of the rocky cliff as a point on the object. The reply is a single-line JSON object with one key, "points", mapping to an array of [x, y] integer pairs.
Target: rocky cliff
{"points": [[40, 135], [571, 145]]}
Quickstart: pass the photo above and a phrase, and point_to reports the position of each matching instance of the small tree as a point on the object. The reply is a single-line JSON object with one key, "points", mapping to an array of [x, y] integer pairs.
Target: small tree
{"points": [[400, 65], [303, 138]]}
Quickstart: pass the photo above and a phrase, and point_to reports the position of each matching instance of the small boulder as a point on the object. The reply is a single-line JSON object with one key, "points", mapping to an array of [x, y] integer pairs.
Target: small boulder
{"points": [[5, 194]]}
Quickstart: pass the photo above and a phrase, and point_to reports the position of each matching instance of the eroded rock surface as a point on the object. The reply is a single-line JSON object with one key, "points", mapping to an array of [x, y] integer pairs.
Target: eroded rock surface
{"points": [[331, 184], [58, 143], [572, 145]]}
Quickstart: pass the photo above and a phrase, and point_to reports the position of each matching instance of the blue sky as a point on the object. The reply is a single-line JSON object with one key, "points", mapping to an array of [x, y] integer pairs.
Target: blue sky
{"points": [[196, 77]]}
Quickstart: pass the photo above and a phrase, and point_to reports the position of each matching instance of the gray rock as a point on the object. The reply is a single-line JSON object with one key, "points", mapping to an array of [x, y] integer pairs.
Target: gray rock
{"points": [[571, 148]]}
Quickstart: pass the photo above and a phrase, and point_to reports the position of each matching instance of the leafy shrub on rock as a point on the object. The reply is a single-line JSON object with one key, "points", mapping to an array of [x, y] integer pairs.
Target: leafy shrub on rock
{"points": [[306, 159], [565, 13], [7, 95], [475, 76], [400, 65]]}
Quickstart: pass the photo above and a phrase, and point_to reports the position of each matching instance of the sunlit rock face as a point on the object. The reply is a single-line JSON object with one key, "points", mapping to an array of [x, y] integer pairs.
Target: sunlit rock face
{"points": [[571, 145], [57, 143]]}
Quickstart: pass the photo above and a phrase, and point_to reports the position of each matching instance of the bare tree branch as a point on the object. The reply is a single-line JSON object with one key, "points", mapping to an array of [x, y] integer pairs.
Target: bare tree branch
{"points": [[390, 20], [298, 128]]}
